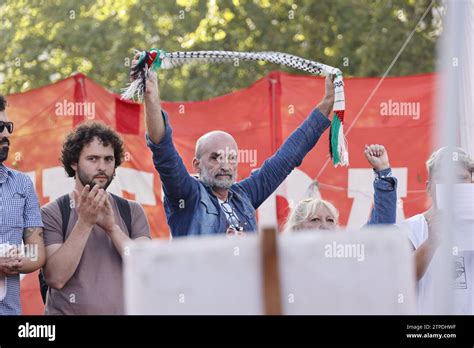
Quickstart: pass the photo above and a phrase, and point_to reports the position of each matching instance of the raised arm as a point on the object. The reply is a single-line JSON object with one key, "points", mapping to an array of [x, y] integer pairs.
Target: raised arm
{"points": [[385, 186], [154, 122], [179, 187], [263, 182]]}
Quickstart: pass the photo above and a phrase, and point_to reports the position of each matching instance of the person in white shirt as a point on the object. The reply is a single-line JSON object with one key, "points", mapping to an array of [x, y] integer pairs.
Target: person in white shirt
{"points": [[425, 235]]}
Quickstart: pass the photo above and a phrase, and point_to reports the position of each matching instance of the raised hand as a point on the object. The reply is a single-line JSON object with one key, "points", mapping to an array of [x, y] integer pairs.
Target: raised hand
{"points": [[326, 105], [377, 156], [106, 219], [89, 203], [152, 89]]}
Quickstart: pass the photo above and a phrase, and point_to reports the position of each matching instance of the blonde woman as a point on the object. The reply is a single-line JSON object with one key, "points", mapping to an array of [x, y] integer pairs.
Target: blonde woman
{"points": [[314, 213]]}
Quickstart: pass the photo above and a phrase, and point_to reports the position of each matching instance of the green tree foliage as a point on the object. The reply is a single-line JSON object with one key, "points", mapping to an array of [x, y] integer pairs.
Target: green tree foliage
{"points": [[43, 41]]}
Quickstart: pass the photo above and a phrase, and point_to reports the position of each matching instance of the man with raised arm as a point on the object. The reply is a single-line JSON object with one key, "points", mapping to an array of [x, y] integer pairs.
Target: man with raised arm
{"points": [[216, 203]]}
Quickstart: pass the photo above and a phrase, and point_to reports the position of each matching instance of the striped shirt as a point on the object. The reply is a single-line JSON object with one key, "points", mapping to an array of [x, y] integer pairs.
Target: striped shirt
{"points": [[19, 209]]}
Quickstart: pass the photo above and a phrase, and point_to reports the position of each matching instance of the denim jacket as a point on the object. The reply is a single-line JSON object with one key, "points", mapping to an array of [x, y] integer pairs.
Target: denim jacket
{"points": [[385, 198], [190, 206]]}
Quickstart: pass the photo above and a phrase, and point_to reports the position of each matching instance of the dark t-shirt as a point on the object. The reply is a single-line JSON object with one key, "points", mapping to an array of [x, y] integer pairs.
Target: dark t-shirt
{"points": [[96, 286]]}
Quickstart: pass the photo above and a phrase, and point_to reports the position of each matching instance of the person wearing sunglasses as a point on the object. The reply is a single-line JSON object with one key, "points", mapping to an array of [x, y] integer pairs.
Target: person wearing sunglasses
{"points": [[9, 127], [20, 218]]}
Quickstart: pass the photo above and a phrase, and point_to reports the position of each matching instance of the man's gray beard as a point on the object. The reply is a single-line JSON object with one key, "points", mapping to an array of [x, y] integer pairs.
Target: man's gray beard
{"points": [[208, 180]]}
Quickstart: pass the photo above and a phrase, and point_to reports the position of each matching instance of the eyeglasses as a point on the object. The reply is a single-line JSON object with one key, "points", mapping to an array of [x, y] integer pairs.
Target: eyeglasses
{"points": [[8, 125], [233, 220]]}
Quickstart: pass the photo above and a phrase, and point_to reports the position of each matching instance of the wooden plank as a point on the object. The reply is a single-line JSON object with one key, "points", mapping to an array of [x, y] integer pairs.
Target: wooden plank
{"points": [[270, 271]]}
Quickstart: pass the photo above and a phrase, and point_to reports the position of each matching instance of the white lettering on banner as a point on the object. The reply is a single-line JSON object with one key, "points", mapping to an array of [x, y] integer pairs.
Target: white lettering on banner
{"points": [[360, 188], [56, 183], [139, 183], [292, 189]]}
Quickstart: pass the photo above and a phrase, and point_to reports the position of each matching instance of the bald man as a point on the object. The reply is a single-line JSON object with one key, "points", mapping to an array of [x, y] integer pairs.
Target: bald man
{"points": [[215, 202]]}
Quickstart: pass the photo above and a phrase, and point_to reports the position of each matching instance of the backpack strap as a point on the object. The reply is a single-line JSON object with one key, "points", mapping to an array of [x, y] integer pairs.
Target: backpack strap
{"points": [[64, 203], [125, 212], [42, 285]]}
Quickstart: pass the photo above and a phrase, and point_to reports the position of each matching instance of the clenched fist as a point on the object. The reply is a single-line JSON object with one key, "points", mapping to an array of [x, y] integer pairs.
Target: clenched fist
{"points": [[377, 156]]}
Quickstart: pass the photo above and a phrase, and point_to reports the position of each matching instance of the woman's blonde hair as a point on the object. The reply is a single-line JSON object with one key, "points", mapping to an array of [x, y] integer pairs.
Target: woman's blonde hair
{"points": [[306, 208], [455, 154]]}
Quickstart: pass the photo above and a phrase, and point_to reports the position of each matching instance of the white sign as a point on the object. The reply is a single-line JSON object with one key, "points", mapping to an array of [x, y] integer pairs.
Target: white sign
{"points": [[362, 272]]}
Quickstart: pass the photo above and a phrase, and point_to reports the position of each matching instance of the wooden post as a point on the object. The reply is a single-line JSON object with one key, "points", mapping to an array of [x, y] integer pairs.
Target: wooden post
{"points": [[270, 272]]}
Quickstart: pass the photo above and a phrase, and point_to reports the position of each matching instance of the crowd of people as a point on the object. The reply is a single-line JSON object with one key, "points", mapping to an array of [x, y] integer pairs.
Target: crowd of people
{"points": [[79, 239]]}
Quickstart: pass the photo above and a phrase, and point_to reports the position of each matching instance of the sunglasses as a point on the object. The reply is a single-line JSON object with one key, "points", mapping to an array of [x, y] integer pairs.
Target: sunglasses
{"points": [[8, 125]]}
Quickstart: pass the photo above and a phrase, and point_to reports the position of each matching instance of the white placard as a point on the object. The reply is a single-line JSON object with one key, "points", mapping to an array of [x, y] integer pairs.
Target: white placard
{"points": [[463, 199], [368, 271], [338, 272], [193, 275]]}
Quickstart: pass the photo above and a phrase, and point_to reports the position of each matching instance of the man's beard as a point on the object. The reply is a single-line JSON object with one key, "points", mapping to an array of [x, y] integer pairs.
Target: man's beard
{"points": [[85, 180], [4, 148], [225, 182]]}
